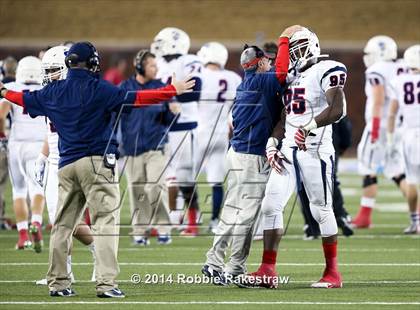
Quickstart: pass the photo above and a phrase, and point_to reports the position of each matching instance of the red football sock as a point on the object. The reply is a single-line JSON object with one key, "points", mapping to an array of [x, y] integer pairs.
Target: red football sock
{"points": [[192, 217], [269, 257], [23, 234], [365, 211], [330, 254]]}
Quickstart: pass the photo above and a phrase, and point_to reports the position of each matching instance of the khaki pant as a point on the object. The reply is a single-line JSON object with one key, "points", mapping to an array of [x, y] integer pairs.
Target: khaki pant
{"points": [[86, 183], [148, 192], [247, 177]]}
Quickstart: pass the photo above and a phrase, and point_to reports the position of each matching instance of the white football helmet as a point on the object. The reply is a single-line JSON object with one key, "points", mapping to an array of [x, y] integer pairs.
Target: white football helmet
{"points": [[170, 41], [213, 52], [412, 57], [53, 64], [29, 70], [304, 49], [379, 48]]}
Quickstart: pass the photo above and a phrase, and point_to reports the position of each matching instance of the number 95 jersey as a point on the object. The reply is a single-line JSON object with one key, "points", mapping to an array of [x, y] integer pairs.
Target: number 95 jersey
{"points": [[305, 98]]}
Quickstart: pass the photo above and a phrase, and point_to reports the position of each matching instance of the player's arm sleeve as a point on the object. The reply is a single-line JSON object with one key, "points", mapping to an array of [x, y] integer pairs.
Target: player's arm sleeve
{"points": [[282, 60], [335, 76], [192, 69]]}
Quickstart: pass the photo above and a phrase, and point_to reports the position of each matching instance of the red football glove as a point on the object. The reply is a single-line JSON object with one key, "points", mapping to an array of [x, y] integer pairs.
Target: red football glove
{"points": [[300, 137], [376, 125], [275, 159]]}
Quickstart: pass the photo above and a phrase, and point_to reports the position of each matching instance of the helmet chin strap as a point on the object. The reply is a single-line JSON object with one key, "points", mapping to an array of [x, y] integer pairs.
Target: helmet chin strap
{"points": [[303, 64]]}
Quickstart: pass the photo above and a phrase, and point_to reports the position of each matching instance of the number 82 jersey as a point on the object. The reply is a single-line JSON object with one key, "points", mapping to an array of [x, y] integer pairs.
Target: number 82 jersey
{"points": [[305, 99]]}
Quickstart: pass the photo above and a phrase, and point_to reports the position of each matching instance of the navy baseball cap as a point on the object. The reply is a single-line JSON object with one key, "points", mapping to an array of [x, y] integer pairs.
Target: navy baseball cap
{"points": [[251, 55], [83, 50]]}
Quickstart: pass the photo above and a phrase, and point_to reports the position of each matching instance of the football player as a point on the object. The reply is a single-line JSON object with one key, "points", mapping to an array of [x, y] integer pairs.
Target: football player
{"points": [[380, 53], [53, 69], [406, 88], [217, 94], [171, 45], [25, 142], [314, 100]]}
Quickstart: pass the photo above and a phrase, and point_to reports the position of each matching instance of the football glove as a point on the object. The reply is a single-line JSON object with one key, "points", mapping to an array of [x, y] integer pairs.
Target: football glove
{"points": [[300, 138], [274, 156], [40, 164]]}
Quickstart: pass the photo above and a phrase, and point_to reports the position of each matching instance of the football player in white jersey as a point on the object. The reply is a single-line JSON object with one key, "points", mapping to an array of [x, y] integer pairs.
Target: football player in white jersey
{"points": [[25, 142], [314, 100], [217, 94], [171, 45], [380, 55], [407, 102], [54, 68]]}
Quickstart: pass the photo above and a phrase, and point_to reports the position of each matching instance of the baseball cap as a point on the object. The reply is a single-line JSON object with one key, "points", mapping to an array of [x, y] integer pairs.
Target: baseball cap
{"points": [[251, 55]]}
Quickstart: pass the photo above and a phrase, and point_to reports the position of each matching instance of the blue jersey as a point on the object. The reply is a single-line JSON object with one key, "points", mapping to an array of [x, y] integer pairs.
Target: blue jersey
{"points": [[256, 111], [80, 107], [145, 129]]}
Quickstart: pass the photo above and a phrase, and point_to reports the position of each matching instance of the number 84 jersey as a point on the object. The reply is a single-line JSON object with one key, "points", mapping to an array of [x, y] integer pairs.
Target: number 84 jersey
{"points": [[305, 99]]}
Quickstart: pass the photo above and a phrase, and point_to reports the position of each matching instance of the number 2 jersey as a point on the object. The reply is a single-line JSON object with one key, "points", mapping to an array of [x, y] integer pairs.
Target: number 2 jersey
{"points": [[25, 128], [217, 95], [183, 66], [306, 98], [406, 88]]}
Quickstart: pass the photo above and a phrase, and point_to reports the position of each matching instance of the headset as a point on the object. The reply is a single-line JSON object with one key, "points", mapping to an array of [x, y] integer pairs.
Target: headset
{"points": [[138, 60], [92, 63]]}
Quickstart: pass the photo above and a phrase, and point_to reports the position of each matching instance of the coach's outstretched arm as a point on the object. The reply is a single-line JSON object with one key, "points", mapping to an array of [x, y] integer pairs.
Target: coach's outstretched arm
{"points": [[282, 59], [142, 98]]}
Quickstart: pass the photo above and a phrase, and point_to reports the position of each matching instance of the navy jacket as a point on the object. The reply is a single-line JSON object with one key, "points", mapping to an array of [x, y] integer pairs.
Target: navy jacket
{"points": [[145, 129], [256, 110], [80, 107]]}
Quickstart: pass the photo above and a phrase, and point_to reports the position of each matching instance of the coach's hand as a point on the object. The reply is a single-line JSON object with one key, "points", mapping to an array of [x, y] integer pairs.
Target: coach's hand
{"points": [[289, 31], [300, 138], [184, 86]]}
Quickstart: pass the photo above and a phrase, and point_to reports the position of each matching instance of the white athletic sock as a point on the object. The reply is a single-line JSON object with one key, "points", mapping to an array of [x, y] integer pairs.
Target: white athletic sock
{"points": [[415, 218], [175, 217], [37, 218], [22, 225], [367, 202]]}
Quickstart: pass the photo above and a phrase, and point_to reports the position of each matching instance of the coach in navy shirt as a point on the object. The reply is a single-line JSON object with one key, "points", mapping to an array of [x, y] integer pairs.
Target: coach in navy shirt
{"points": [[256, 111], [144, 138], [80, 107]]}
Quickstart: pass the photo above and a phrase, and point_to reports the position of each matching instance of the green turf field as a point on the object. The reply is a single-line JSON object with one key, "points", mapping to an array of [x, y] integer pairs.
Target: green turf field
{"points": [[380, 268]]}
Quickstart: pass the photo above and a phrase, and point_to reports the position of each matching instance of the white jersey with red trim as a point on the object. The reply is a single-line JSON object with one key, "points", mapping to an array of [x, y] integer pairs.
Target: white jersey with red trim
{"points": [[306, 99], [407, 91], [217, 95], [380, 73], [25, 128], [52, 138], [183, 66]]}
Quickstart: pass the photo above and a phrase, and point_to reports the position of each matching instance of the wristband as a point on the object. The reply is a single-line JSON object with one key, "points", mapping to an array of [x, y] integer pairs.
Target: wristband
{"points": [[312, 125], [272, 142]]}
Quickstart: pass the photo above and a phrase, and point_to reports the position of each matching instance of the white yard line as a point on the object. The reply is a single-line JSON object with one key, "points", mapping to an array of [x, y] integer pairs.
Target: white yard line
{"points": [[240, 302], [201, 263], [290, 281]]}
